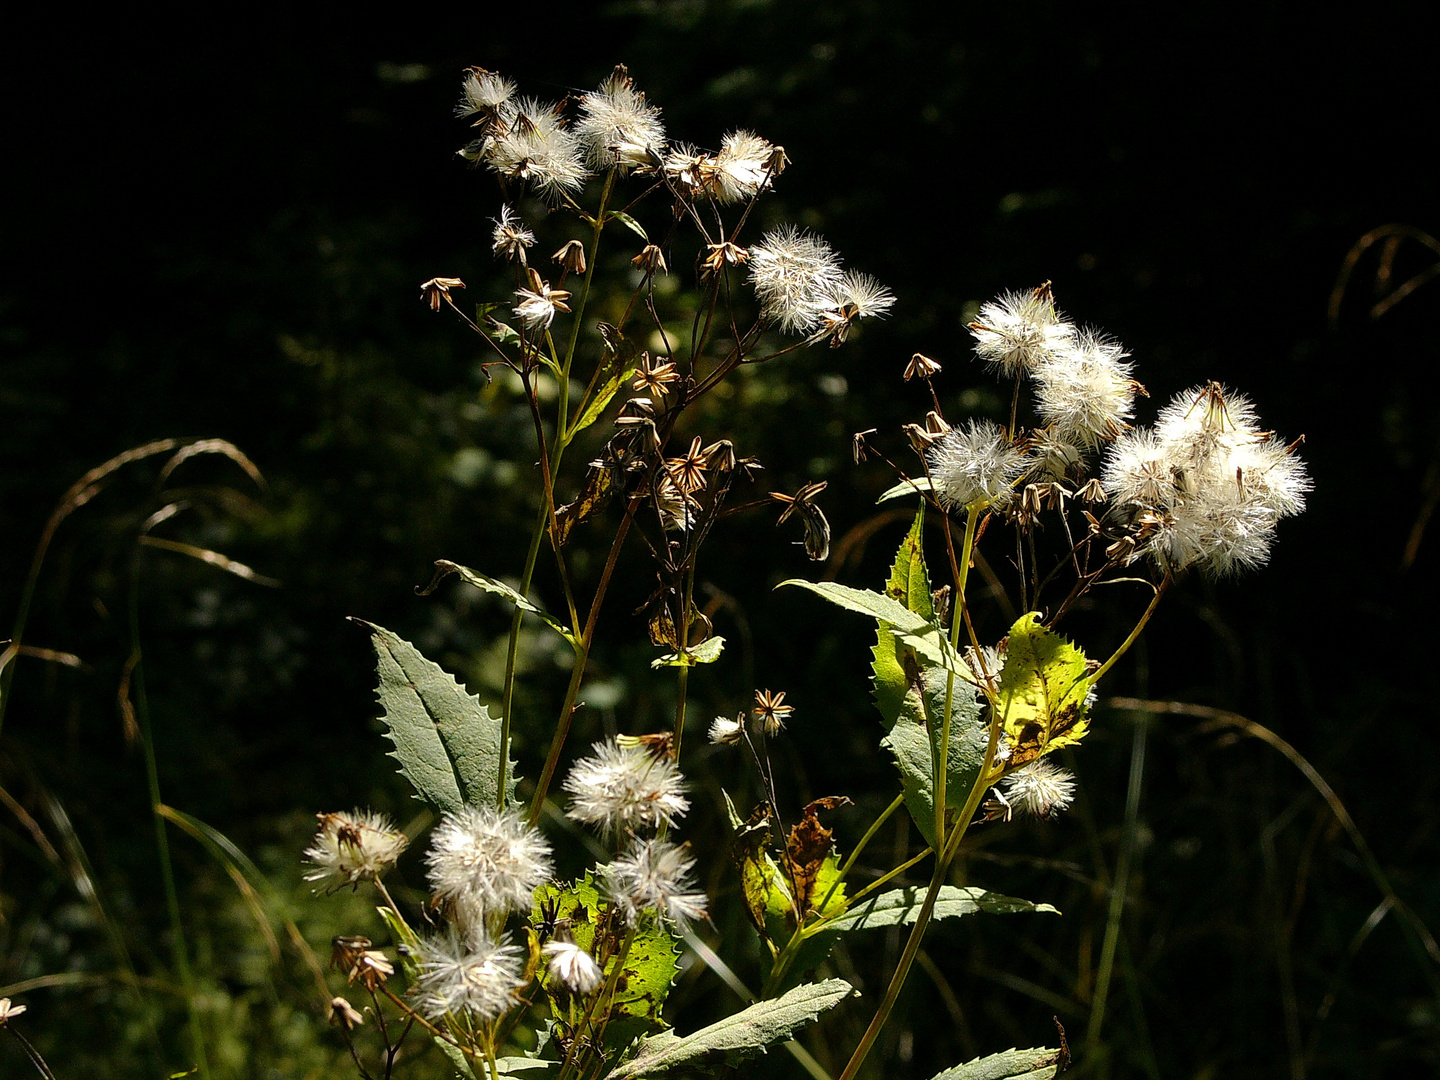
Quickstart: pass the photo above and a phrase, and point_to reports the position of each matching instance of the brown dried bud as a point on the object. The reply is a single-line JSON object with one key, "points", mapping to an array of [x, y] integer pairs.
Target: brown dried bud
{"points": [[651, 260], [345, 1014], [571, 257], [438, 288], [920, 367]]}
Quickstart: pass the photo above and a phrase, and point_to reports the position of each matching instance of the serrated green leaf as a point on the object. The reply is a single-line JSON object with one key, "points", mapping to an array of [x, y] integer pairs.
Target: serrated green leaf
{"points": [[1037, 1064], [707, 652], [1043, 687], [444, 567], [630, 223], [900, 907], [906, 487], [447, 743], [650, 965], [736, 1037]]}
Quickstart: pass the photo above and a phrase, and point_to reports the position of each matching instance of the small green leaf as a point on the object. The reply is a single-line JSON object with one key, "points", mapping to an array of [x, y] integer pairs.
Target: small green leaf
{"points": [[900, 907], [444, 567], [707, 652], [736, 1037], [618, 367], [1037, 1064], [906, 487], [526, 1068], [458, 1061], [1043, 687], [894, 663], [447, 743], [503, 333], [630, 223]]}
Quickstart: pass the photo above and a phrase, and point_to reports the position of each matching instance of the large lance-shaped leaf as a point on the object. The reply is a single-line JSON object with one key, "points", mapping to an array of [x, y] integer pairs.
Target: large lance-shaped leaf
{"points": [[914, 740], [1043, 687], [447, 743], [902, 907], [736, 1037], [1037, 1064]]}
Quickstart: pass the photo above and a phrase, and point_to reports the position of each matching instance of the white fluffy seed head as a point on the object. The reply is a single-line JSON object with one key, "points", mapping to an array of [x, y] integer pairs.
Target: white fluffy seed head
{"points": [[531, 144], [653, 876], [482, 859], [466, 973], [573, 966], [1018, 331], [794, 274], [1084, 393], [351, 848], [483, 92], [742, 169], [626, 790], [974, 465], [726, 732], [619, 128], [1040, 789], [1207, 485]]}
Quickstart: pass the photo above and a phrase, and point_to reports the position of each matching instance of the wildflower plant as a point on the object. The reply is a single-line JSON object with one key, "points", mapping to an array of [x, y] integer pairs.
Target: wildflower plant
{"points": [[512, 971]]}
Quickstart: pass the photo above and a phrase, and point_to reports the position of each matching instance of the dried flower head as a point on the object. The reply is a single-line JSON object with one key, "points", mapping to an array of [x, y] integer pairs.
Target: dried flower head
{"points": [[573, 966], [437, 290], [771, 712], [529, 142], [974, 465], [481, 857], [510, 237], [345, 1014], [539, 303], [626, 789], [351, 848], [619, 128], [482, 94], [921, 367], [653, 876], [466, 974], [1020, 331]]}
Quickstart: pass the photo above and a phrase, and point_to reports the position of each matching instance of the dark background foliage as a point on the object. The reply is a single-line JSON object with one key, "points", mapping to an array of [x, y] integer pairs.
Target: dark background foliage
{"points": [[218, 229]]}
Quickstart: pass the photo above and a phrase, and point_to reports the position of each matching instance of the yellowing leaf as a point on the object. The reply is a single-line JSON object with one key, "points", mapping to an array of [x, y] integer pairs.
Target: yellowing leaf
{"points": [[1043, 687]]}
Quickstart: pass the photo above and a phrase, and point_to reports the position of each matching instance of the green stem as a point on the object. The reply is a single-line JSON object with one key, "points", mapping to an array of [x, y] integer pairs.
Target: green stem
{"points": [[898, 802], [1135, 633], [942, 763], [179, 952]]}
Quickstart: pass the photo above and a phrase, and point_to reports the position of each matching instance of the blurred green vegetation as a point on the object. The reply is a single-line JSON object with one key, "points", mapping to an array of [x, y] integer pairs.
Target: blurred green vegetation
{"points": [[222, 235]]}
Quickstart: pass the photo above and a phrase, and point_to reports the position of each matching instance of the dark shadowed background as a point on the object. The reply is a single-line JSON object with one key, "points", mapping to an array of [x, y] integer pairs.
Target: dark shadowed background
{"points": [[218, 227]]}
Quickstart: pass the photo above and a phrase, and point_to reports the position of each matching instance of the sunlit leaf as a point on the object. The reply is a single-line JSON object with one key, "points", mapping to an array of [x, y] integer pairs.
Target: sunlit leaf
{"points": [[1037, 1064], [443, 568], [707, 652], [737, 1037], [630, 223], [447, 743], [906, 487], [1043, 687], [900, 907]]}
